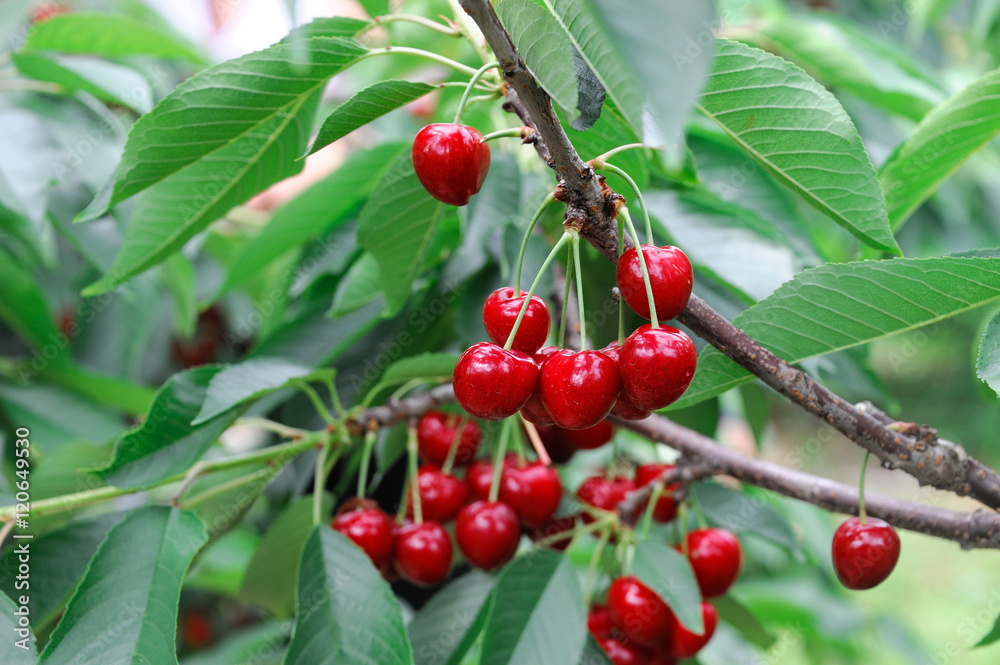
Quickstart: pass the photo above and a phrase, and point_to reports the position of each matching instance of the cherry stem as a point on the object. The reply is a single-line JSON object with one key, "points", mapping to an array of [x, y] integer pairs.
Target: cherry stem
{"points": [[366, 454], [498, 461], [264, 474], [566, 291], [654, 322], [638, 194], [682, 516], [536, 441], [317, 402], [412, 18], [601, 523], [614, 151], [420, 53], [647, 515], [621, 304], [468, 88], [524, 241], [595, 559], [862, 516], [699, 516], [579, 292], [449, 461], [414, 480], [319, 481], [534, 285], [519, 132]]}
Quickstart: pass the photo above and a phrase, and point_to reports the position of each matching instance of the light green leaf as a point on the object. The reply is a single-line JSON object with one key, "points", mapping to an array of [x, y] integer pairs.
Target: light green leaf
{"points": [[458, 611], [537, 597], [24, 308], [102, 389], [109, 35], [838, 306], [125, 609], [373, 102], [947, 136], [425, 365], [358, 287], [665, 570], [56, 416], [345, 611], [375, 7], [251, 379], [18, 645], [988, 362], [105, 80], [333, 26], [800, 134], [179, 279]]}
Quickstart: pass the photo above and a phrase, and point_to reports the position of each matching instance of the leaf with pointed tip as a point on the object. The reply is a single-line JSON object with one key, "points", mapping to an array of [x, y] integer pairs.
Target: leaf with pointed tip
{"points": [[800, 134], [235, 384], [105, 80], [108, 35], [988, 361], [665, 570], [991, 637]]}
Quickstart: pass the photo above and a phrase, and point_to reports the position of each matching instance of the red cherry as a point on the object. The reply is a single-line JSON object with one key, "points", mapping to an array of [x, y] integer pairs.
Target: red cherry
{"points": [[716, 557], [487, 533], [622, 652], [662, 654], [196, 631], [685, 643], [435, 432], [451, 161], [579, 387], [590, 438], [555, 443], [599, 621], [553, 527], [602, 493], [479, 476], [493, 384], [423, 553], [666, 507], [534, 410], [638, 612], [441, 495], [864, 554], [500, 312], [669, 274], [533, 491], [657, 365], [624, 408], [369, 528]]}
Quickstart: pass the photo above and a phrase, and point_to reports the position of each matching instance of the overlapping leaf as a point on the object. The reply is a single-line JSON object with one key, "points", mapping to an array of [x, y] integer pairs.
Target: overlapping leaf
{"points": [[108, 35], [666, 571], [988, 361]]}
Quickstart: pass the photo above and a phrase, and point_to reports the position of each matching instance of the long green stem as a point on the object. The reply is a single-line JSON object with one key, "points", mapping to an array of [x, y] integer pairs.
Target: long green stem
{"points": [[414, 479], [647, 515], [597, 525], [699, 516], [614, 151], [366, 454], [566, 292], [271, 426], [319, 482], [862, 515], [579, 292], [334, 397], [654, 322], [638, 196], [498, 461], [412, 18], [420, 53], [468, 90], [534, 285], [595, 559], [621, 304], [316, 400], [267, 473], [518, 132], [449, 461], [524, 241]]}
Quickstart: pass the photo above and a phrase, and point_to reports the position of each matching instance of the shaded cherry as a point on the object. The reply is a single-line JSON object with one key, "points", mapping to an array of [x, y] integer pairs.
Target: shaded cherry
{"points": [[423, 553], [662, 654], [555, 526], [479, 476], [657, 365], [716, 557], [602, 493], [579, 388], [670, 276], [864, 554], [500, 312], [638, 612], [533, 410], [621, 651], [435, 432], [686, 644], [487, 533], [197, 631], [599, 621], [493, 384], [369, 528], [533, 491], [442, 495], [590, 438], [666, 507], [451, 161], [624, 408], [555, 444]]}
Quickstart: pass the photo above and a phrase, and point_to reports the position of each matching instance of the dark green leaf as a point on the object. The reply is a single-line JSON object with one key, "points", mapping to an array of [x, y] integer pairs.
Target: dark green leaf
{"points": [[345, 611], [179, 279], [258, 645], [992, 637], [102, 389], [988, 362], [744, 513], [359, 286], [537, 597], [737, 615], [56, 416], [24, 308], [125, 609], [449, 620], [373, 102], [250, 379], [665, 570], [106, 81], [18, 644], [590, 94]]}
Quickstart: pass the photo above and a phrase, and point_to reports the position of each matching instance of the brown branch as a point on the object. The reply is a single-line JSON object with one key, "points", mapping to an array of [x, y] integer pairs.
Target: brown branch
{"points": [[688, 469], [395, 410]]}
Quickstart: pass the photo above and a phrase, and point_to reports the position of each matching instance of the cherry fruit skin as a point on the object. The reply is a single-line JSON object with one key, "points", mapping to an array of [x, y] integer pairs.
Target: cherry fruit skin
{"points": [[716, 557], [602, 493], [864, 554], [487, 533], [533, 410], [500, 312], [579, 388], [533, 491], [590, 438], [493, 384], [622, 652], [370, 529], [670, 276], [638, 612], [451, 161], [657, 365], [666, 507], [435, 432], [423, 553], [442, 495], [479, 477], [685, 643], [599, 621], [624, 407]]}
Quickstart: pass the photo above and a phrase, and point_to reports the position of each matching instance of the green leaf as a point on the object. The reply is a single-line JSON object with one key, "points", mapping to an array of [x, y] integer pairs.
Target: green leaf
{"points": [[947, 136], [742, 619], [988, 362], [24, 308], [18, 644], [102, 389], [334, 26], [359, 286], [166, 443], [261, 644], [744, 513], [593, 654], [544, 47], [610, 131], [108, 35], [798, 132], [125, 609], [56, 416], [373, 102], [106, 81], [270, 579], [247, 380], [992, 637], [375, 7], [665, 570], [324, 206], [838, 306], [457, 611], [179, 278], [397, 227], [537, 597], [345, 611], [425, 365]]}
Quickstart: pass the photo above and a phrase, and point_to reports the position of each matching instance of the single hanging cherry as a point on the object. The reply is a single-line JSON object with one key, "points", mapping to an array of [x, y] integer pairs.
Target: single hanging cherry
{"points": [[864, 554], [670, 277], [451, 161], [500, 312], [656, 365], [368, 527]]}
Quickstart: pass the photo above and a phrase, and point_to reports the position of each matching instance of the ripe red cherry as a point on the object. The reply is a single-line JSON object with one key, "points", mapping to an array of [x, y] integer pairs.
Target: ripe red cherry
{"points": [[669, 274], [369, 528], [493, 384], [479, 476], [716, 557], [435, 432], [441, 495], [423, 553], [638, 612], [500, 312], [602, 493], [657, 365], [533, 410], [685, 643], [487, 533], [622, 652], [553, 527], [624, 408], [666, 507], [599, 621], [451, 161], [864, 554], [579, 387], [533, 491], [590, 438]]}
